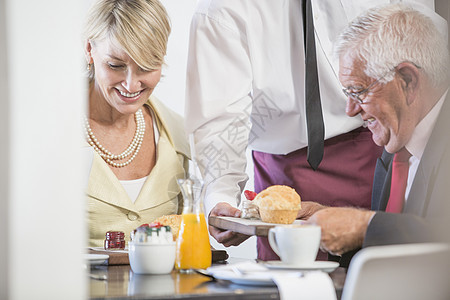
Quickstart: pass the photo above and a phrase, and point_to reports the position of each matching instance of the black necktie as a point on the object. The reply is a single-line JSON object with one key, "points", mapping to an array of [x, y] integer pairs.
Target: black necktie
{"points": [[314, 119]]}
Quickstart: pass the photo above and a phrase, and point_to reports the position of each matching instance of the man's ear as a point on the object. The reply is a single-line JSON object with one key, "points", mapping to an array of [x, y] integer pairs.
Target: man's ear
{"points": [[87, 52], [410, 77]]}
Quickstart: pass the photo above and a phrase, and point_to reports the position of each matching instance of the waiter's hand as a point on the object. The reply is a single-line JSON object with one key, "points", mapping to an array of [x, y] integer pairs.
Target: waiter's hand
{"points": [[343, 229], [226, 237], [308, 209]]}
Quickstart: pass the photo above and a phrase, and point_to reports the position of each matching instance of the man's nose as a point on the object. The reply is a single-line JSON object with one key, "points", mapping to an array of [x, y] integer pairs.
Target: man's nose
{"points": [[352, 108]]}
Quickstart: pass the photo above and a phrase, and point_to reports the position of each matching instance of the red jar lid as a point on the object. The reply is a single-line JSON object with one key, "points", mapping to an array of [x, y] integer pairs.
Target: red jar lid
{"points": [[113, 235]]}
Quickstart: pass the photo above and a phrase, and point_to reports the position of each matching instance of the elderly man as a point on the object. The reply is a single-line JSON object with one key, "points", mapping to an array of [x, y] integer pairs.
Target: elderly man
{"points": [[394, 69]]}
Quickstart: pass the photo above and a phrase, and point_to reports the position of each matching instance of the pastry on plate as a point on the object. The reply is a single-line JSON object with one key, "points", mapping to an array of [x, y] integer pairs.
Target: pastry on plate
{"points": [[278, 204]]}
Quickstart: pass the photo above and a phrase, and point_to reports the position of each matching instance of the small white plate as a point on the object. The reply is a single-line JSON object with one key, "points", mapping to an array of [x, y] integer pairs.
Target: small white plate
{"points": [[103, 249], [96, 259], [326, 266], [254, 278]]}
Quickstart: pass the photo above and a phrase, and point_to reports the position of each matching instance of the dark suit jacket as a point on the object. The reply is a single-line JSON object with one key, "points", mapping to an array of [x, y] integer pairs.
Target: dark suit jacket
{"points": [[426, 215]]}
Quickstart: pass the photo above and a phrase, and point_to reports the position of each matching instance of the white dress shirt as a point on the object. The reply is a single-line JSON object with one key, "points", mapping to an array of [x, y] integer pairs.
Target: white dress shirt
{"points": [[245, 82]]}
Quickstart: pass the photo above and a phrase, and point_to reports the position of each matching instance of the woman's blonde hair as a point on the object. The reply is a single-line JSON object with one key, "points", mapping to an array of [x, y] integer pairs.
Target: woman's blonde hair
{"points": [[141, 27]]}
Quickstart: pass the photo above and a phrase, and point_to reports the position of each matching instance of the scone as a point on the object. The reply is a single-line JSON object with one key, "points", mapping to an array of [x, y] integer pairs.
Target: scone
{"points": [[174, 221], [278, 204]]}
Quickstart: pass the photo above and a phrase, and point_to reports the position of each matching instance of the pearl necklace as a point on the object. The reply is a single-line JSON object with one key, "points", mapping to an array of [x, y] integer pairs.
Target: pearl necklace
{"points": [[133, 148]]}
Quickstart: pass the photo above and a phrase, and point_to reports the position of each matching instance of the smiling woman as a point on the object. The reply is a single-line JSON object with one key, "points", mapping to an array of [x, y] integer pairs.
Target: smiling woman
{"points": [[139, 144]]}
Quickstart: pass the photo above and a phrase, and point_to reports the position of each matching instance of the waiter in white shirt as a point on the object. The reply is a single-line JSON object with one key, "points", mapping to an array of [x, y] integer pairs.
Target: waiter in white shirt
{"points": [[246, 87]]}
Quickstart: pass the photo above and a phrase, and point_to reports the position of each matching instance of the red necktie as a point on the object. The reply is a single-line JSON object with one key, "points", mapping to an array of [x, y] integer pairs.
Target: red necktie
{"points": [[400, 166]]}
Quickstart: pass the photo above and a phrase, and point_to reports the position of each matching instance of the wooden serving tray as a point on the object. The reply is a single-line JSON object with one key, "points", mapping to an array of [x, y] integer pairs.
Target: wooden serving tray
{"points": [[244, 226], [121, 257], [115, 257]]}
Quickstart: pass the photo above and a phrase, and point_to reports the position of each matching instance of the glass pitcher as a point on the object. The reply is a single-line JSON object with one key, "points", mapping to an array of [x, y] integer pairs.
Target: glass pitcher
{"points": [[193, 247]]}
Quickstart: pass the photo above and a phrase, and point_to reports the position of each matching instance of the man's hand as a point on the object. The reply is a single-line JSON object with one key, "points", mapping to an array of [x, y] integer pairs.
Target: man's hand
{"points": [[226, 237], [343, 229], [308, 209]]}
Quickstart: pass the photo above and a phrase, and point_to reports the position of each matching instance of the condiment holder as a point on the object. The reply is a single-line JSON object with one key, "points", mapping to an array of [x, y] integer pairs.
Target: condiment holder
{"points": [[152, 250]]}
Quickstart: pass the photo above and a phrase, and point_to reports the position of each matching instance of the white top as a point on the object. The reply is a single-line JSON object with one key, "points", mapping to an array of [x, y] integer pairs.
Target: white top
{"points": [[419, 139], [133, 187], [245, 82]]}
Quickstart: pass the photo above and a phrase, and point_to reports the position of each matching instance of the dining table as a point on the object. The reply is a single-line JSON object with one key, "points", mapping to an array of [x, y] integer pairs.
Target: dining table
{"points": [[120, 282]]}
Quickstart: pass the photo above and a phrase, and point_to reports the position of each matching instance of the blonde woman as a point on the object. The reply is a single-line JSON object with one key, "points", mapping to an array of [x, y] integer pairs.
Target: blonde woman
{"points": [[140, 148]]}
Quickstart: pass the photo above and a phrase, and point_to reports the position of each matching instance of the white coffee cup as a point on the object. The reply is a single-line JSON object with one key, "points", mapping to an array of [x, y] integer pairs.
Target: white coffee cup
{"points": [[295, 244]]}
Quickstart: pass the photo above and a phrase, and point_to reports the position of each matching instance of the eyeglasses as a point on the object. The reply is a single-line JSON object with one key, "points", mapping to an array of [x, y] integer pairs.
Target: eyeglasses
{"points": [[356, 95]]}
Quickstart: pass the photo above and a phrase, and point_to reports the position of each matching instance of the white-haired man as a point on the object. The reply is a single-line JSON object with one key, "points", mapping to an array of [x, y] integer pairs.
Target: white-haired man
{"points": [[394, 69]]}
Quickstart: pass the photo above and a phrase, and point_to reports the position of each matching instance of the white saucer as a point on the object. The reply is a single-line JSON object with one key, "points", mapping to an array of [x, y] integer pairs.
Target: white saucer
{"points": [[96, 259], [326, 266]]}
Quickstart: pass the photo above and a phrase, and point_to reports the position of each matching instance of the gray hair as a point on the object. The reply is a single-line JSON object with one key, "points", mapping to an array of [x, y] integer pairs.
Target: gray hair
{"points": [[388, 35]]}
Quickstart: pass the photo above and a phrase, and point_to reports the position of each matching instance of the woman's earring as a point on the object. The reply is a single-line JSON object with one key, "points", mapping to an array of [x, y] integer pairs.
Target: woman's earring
{"points": [[89, 66]]}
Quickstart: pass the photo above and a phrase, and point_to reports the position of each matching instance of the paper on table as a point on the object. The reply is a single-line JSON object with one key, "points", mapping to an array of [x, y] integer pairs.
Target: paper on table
{"points": [[313, 285], [249, 271], [248, 266]]}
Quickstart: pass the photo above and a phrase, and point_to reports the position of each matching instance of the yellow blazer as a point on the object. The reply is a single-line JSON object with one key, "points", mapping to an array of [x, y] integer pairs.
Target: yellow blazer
{"points": [[109, 206]]}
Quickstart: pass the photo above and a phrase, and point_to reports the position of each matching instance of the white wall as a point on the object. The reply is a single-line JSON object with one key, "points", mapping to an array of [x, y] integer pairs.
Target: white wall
{"points": [[171, 88], [4, 157], [42, 93]]}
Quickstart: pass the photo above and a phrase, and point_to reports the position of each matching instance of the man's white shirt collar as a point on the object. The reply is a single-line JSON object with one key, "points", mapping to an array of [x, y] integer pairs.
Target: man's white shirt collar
{"points": [[419, 139]]}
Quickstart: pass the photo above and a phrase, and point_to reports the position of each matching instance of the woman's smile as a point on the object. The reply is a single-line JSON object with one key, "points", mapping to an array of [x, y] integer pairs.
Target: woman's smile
{"points": [[129, 97]]}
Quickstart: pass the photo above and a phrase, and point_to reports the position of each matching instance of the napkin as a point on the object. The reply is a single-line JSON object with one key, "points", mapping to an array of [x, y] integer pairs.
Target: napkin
{"points": [[291, 284], [248, 270], [247, 266], [312, 285]]}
